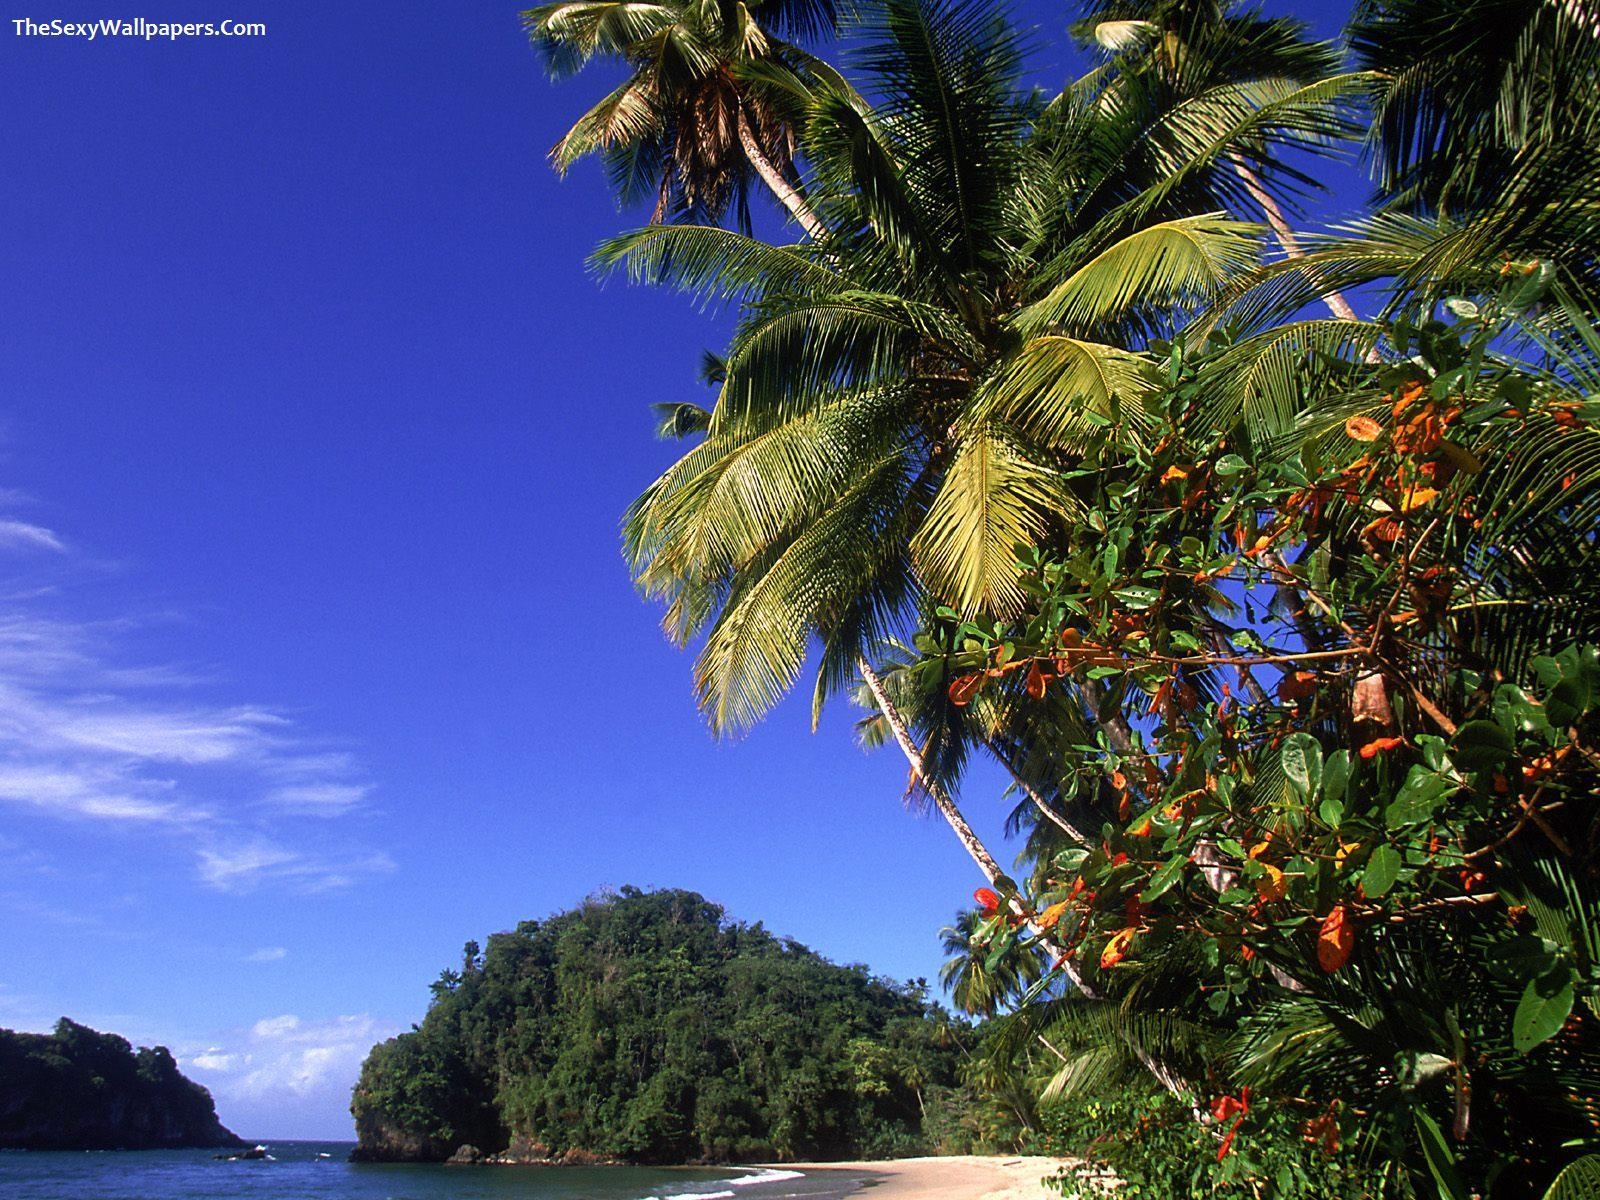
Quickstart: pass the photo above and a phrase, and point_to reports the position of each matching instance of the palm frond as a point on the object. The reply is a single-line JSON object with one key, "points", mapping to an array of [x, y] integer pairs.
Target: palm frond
{"points": [[1180, 262]]}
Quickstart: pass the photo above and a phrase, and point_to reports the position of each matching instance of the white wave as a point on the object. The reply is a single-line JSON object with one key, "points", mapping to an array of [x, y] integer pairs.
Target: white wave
{"points": [[765, 1177], [756, 1176]]}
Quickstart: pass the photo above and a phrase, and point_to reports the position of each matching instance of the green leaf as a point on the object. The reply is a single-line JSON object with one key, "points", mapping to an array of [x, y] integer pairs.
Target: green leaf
{"points": [[1441, 1161], [1567, 701], [1336, 777], [1414, 1068], [1579, 1180], [1002, 944], [1137, 597], [1480, 746], [1417, 798], [1072, 859], [1383, 868], [1545, 1005], [1302, 764], [1522, 957], [1171, 871]]}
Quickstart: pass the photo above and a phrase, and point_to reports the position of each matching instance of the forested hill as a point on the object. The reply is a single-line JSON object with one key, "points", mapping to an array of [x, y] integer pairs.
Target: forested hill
{"points": [[76, 1089], [648, 1027]]}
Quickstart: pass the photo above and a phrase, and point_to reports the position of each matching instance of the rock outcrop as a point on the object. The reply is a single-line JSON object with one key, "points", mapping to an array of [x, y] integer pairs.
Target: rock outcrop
{"points": [[76, 1089]]}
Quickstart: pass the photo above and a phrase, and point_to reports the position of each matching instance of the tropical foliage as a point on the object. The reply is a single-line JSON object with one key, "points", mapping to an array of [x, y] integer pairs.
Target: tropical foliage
{"points": [[645, 1026], [77, 1089], [1285, 627]]}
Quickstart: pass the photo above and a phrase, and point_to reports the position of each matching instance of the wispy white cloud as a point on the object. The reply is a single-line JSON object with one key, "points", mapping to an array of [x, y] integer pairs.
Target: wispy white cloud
{"points": [[86, 737], [213, 1060], [267, 954], [319, 799], [102, 791], [250, 865], [22, 535]]}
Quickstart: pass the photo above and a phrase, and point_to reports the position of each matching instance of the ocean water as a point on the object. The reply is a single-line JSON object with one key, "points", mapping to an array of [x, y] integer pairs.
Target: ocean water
{"points": [[318, 1171]]}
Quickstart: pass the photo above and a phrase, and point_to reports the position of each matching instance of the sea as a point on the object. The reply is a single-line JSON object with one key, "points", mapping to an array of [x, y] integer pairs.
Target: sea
{"points": [[321, 1171]]}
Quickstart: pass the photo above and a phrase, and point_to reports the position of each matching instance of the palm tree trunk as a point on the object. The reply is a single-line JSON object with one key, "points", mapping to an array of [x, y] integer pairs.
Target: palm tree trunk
{"points": [[1334, 299], [776, 183], [1060, 822], [941, 798], [952, 815], [1161, 1072]]}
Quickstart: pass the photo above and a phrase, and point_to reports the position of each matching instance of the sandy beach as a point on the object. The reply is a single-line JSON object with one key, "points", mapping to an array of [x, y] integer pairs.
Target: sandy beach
{"points": [[956, 1177]]}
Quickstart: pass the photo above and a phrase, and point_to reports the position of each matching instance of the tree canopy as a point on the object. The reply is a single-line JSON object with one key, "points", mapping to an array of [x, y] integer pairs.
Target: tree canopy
{"points": [[646, 1026]]}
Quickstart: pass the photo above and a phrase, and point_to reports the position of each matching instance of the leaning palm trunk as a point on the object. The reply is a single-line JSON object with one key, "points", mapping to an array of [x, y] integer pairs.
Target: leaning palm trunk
{"points": [[1028, 790], [952, 815], [776, 183], [1333, 298], [1162, 1073]]}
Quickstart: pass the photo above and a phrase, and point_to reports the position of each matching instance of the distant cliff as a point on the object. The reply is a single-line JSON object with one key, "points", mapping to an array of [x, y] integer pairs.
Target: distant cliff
{"points": [[76, 1089], [647, 1027]]}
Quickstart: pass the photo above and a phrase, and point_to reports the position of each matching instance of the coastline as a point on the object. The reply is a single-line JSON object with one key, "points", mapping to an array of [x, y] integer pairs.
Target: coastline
{"points": [[949, 1177]]}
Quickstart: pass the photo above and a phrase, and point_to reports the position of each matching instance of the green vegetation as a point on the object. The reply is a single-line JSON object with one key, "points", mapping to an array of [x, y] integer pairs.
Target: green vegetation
{"points": [[644, 1026], [1284, 626], [76, 1089]]}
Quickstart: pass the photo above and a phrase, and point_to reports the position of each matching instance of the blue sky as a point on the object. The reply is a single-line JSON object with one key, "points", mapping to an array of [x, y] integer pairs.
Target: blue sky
{"points": [[317, 654]]}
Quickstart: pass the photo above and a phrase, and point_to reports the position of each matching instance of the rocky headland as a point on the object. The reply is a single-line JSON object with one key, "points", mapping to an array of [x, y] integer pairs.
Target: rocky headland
{"points": [[76, 1089]]}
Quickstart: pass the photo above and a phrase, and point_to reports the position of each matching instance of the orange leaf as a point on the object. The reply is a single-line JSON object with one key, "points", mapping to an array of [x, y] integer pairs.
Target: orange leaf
{"points": [[1297, 686], [964, 687], [1362, 429], [1117, 948], [1407, 396], [1381, 745], [1272, 885], [1384, 529], [1323, 1130], [1172, 473], [1416, 497], [1048, 918], [1336, 939]]}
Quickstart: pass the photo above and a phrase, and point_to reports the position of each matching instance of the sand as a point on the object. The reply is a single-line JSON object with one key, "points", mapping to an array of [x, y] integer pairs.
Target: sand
{"points": [[956, 1177]]}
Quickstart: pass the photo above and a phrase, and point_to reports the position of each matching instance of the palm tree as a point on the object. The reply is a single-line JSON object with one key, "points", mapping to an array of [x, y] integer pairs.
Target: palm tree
{"points": [[898, 403], [691, 124], [975, 987], [1485, 143], [1470, 92], [1176, 55]]}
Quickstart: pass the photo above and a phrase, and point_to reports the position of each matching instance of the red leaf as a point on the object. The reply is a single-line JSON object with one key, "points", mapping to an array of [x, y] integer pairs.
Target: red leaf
{"points": [[988, 901]]}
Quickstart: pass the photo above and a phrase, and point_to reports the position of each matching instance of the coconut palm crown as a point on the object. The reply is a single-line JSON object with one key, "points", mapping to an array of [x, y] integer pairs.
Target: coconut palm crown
{"points": [[901, 398], [687, 129]]}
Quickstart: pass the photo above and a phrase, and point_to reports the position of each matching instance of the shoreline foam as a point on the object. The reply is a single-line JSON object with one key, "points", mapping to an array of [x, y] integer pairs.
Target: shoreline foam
{"points": [[949, 1177]]}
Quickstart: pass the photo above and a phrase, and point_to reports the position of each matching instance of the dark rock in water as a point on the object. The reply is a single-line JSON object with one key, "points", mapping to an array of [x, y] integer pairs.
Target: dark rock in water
{"points": [[384, 1141], [525, 1151], [76, 1089], [466, 1154]]}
